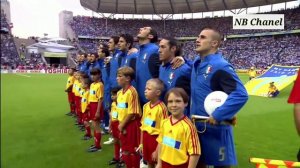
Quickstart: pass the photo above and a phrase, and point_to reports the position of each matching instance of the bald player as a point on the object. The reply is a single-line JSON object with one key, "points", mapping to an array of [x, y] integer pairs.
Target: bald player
{"points": [[211, 72]]}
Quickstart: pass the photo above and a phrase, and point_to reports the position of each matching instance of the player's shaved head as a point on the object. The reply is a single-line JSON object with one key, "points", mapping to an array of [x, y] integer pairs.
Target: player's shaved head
{"points": [[215, 35]]}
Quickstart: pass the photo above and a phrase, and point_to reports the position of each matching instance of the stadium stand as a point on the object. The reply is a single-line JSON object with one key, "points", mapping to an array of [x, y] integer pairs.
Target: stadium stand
{"points": [[243, 53], [177, 28], [13, 51], [9, 55], [262, 51], [21, 43]]}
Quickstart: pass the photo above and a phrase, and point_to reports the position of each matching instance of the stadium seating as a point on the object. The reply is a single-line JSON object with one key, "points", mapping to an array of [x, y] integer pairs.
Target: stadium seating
{"points": [[9, 54], [10, 57], [95, 27], [241, 52]]}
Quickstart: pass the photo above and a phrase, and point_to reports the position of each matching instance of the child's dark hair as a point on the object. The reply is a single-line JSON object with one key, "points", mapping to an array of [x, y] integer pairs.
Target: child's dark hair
{"points": [[73, 69], [81, 73], [84, 75], [115, 90], [96, 71], [87, 81], [178, 92]]}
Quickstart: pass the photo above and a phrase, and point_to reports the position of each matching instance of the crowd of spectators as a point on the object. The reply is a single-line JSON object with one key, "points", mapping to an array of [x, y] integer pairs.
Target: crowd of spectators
{"points": [[262, 52], [10, 58], [34, 60], [9, 54], [96, 27], [259, 52], [89, 45], [241, 52]]}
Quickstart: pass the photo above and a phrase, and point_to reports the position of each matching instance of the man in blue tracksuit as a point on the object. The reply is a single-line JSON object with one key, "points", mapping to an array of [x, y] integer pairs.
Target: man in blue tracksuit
{"points": [[115, 62], [103, 52], [180, 77], [147, 62], [83, 64], [211, 72], [125, 45], [128, 57], [93, 63]]}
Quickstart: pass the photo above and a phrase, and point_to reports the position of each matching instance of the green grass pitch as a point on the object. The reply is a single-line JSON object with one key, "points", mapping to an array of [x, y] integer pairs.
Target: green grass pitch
{"points": [[35, 132]]}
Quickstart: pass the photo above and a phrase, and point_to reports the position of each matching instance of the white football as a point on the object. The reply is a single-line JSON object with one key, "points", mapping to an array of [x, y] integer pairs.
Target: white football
{"points": [[214, 100]]}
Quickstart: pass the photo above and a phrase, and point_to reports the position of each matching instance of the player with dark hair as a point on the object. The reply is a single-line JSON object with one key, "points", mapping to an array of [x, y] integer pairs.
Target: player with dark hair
{"points": [[180, 77], [125, 45], [147, 63], [115, 61], [103, 53]]}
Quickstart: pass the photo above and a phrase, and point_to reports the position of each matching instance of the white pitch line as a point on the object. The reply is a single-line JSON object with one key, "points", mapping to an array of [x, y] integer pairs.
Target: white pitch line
{"points": [[24, 75]]}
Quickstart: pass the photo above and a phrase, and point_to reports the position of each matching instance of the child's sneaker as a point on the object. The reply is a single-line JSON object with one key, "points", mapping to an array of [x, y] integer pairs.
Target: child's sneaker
{"points": [[109, 141], [86, 137], [113, 161], [94, 149]]}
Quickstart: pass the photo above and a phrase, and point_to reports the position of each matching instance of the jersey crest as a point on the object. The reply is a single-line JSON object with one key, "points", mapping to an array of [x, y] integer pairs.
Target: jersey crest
{"points": [[207, 71], [144, 58]]}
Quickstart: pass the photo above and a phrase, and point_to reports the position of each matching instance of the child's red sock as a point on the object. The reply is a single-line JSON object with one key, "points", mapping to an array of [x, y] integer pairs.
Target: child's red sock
{"points": [[88, 131], [97, 139], [117, 151]]}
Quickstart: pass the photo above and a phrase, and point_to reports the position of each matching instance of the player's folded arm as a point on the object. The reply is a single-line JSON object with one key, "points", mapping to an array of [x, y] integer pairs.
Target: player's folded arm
{"points": [[237, 95]]}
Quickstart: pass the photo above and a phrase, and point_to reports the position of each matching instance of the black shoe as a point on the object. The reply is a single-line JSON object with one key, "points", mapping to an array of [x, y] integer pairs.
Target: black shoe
{"points": [[113, 161], [94, 149], [92, 146], [120, 164], [86, 137], [69, 113], [81, 128], [79, 124]]}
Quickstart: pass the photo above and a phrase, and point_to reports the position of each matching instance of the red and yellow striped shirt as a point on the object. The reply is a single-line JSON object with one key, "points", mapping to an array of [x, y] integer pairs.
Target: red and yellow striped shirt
{"points": [[178, 141], [128, 103], [70, 81], [96, 92], [153, 116]]}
